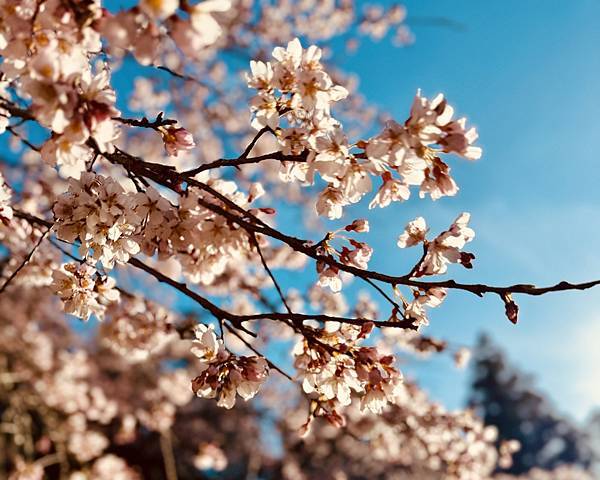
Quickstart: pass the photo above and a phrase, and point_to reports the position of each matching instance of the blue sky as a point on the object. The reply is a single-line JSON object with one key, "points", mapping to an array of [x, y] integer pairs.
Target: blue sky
{"points": [[525, 72]]}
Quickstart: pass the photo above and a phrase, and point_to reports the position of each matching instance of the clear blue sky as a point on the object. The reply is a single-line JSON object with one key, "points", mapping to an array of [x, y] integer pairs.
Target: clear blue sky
{"points": [[527, 74]]}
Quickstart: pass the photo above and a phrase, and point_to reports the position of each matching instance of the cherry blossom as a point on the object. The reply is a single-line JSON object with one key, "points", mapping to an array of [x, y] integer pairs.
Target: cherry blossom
{"points": [[81, 293], [354, 368], [462, 357], [414, 233], [446, 248], [203, 21], [210, 457], [431, 298], [98, 213], [224, 374], [176, 140], [136, 328]]}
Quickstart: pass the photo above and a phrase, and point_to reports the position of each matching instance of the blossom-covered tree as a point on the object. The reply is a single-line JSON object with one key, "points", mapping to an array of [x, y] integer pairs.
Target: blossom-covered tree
{"points": [[124, 217]]}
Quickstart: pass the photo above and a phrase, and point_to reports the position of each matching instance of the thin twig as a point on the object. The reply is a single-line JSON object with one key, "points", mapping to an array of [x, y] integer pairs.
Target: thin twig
{"points": [[217, 312], [243, 158], [181, 76], [65, 252], [24, 262], [269, 362], [236, 162], [145, 123], [270, 273], [383, 293], [23, 140], [256, 138]]}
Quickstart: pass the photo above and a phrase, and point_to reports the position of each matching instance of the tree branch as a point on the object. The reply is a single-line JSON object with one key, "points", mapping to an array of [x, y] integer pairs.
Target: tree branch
{"points": [[174, 180], [243, 159], [236, 162], [24, 262], [145, 123], [170, 178]]}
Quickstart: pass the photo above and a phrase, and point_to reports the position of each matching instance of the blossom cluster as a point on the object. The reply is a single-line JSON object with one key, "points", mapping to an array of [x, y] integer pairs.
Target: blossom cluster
{"points": [[82, 292], [353, 253], [143, 29], [137, 328], [19, 238], [294, 82], [66, 387], [296, 88], [111, 224], [84, 399], [47, 53], [209, 242], [333, 364], [446, 248], [413, 434], [378, 21], [97, 212], [223, 374]]}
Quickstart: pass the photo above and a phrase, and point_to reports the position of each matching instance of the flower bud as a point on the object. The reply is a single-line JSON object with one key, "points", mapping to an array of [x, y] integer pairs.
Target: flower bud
{"points": [[177, 139]]}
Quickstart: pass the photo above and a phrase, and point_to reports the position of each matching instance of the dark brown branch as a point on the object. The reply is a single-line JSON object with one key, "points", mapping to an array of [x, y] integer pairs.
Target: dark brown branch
{"points": [[168, 177], [16, 111], [250, 347], [236, 162], [145, 123], [25, 261], [32, 218], [256, 138], [306, 247], [270, 273], [219, 313], [216, 311], [237, 320], [26, 142], [243, 159]]}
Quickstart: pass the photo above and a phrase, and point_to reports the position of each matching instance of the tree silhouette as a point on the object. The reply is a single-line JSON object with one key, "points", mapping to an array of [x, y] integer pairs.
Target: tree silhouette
{"points": [[505, 397]]}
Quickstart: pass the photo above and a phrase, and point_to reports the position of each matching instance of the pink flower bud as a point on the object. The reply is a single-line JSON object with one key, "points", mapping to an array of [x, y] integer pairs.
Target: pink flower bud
{"points": [[360, 226], [177, 139]]}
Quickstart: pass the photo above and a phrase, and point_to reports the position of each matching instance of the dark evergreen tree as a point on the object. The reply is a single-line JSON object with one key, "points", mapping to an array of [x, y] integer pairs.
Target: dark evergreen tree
{"points": [[506, 398]]}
